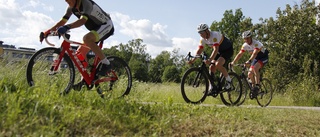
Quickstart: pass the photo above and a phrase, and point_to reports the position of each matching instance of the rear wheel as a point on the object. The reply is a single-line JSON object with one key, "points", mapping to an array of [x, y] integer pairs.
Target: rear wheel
{"points": [[233, 95], [118, 81], [264, 96], [194, 86], [40, 71]]}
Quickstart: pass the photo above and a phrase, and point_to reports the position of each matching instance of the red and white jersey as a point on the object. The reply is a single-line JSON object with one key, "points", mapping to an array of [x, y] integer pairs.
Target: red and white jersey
{"points": [[255, 45], [215, 39]]}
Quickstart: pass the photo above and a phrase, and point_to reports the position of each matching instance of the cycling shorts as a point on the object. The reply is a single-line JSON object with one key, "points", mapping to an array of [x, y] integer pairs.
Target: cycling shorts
{"points": [[262, 61], [104, 31]]}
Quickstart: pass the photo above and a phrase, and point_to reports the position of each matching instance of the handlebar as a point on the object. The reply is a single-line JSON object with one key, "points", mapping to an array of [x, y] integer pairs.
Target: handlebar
{"points": [[65, 37], [189, 56]]}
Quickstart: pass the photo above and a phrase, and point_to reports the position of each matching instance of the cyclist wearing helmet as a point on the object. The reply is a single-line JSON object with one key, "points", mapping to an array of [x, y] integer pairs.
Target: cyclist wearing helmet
{"points": [[222, 52], [97, 21], [259, 58]]}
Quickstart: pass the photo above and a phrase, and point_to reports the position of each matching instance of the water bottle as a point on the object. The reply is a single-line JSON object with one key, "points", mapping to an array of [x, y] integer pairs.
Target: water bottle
{"points": [[82, 60]]}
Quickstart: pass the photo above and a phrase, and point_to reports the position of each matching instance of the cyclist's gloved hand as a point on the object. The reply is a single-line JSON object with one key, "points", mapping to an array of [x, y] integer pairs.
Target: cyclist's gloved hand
{"points": [[44, 35], [63, 29]]}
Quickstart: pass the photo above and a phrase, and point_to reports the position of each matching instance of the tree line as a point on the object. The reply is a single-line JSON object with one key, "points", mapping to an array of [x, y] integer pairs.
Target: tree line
{"points": [[292, 38]]}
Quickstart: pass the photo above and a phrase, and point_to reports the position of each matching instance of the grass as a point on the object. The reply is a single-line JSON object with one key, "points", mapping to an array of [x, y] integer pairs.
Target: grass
{"points": [[149, 110]]}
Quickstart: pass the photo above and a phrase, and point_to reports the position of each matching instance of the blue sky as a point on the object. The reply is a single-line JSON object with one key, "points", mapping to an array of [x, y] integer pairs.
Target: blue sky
{"points": [[163, 25]]}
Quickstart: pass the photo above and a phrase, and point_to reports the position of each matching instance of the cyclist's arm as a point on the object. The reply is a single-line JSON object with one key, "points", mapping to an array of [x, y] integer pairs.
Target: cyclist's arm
{"points": [[238, 56], [254, 54], [78, 23], [198, 52], [63, 20], [214, 52], [60, 23]]}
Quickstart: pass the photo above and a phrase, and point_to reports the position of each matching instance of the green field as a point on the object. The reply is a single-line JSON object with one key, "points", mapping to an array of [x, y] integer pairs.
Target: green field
{"points": [[149, 110]]}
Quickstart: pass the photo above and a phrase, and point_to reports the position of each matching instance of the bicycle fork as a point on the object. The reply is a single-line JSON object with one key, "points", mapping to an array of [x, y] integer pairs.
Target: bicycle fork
{"points": [[56, 63]]}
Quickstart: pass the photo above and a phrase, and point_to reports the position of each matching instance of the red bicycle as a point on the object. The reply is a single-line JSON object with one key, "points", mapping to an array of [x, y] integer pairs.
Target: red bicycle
{"points": [[55, 68]]}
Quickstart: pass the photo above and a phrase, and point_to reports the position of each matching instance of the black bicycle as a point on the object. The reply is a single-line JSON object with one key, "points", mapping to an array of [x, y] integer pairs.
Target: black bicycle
{"points": [[264, 95], [195, 84]]}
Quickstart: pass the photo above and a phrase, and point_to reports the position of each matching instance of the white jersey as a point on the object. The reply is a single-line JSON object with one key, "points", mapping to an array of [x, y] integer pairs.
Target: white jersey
{"points": [[255, 45], [215, 39]]}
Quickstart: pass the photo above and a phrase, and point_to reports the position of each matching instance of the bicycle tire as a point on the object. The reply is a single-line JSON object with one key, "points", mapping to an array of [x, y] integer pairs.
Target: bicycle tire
{"points": [[265, 94], [232, 97], [194, 86], [245, 91], [122, 86], [39, 71]]}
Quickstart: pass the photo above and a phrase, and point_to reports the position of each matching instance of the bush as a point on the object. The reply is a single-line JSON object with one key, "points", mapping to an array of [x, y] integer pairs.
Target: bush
{"points": [[304, 92]]}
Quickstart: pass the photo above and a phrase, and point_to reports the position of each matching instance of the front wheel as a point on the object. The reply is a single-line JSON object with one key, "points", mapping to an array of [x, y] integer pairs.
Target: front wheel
{"points": [[264, 96], [40, 72], [194, 86], [120, 82], [233, 95]]}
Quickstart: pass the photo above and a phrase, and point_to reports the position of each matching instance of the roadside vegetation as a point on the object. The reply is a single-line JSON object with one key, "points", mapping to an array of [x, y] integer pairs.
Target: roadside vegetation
{"points": [[151, 109]]}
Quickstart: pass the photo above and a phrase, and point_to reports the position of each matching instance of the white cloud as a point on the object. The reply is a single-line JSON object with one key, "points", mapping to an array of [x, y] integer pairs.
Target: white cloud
{"points": [[21, 25], [153, 34], [185, 45]]}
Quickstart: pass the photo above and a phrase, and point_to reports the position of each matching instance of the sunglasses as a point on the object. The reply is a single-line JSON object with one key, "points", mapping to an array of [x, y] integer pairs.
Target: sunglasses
{"points": [[201, 32]]}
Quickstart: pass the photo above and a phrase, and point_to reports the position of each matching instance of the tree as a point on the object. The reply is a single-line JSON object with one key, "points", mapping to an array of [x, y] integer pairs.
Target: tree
{"points": [[171, 74], [158, 65], [293, 40], [229, 24]]}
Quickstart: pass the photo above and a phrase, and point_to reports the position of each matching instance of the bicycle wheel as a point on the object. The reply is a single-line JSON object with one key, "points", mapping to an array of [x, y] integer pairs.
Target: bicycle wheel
{"points": [[194, 86], [232, 96], [264, 96], [245, 90], [121, 82], [40, 71]]}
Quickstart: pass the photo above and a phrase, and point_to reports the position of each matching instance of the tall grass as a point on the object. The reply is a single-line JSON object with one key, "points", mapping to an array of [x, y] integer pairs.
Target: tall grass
{"points": [[149, 110]]}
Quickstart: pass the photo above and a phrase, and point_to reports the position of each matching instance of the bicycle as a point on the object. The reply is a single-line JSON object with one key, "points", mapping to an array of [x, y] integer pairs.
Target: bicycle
{"points": [[195, 84], [264, 95], [55, 68]]}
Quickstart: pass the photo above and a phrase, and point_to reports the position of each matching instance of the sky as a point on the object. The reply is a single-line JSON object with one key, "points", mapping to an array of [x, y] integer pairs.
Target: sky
{"points": [[164, 25]]}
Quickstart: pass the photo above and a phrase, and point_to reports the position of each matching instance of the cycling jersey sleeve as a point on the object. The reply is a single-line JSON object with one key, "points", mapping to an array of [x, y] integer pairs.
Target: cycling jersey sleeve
{"points": [[68, 14]]}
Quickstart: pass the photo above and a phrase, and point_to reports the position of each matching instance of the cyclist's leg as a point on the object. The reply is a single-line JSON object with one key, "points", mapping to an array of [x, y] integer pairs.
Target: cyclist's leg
{"points": [[224, 58], [91, 39], [96, 35], [219, 64], [258, 64], [83, 49], [212, 70]]}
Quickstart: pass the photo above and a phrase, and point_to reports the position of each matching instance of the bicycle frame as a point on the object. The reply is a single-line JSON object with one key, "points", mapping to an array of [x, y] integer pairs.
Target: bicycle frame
{"points": [[67, 49], [243, 75], [204, 68]]}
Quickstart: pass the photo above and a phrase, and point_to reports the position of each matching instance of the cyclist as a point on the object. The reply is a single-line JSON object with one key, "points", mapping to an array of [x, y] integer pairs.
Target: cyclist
{"points": [[259, 58], [222, 52], [97, 21]]}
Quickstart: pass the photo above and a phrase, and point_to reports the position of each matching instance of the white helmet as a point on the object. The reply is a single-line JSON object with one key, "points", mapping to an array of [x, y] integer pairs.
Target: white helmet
{"points": [[246, 34], [202, 27]]}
